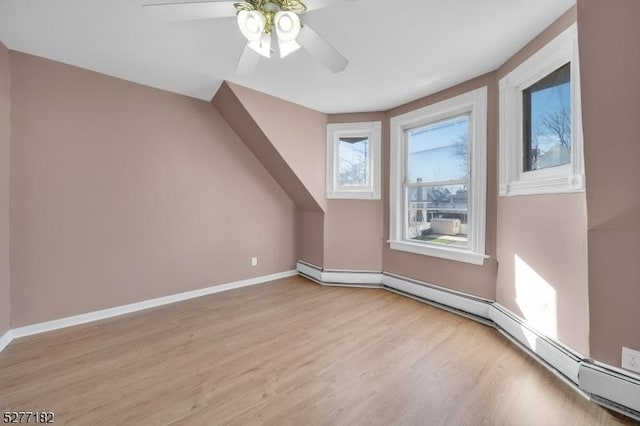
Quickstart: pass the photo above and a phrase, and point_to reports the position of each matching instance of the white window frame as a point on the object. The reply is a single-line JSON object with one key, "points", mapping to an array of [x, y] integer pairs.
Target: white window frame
{"points": [[370, 130], [473, 103], [561, 179]]}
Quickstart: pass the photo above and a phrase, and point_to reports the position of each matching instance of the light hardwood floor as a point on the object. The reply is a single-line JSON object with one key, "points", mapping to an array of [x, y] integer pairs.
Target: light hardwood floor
{"points": [[289, 352]]}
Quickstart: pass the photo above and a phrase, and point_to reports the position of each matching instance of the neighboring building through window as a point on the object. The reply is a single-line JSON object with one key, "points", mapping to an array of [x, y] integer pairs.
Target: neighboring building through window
{"points": [[438, 179], [353, 160], [540, 122]]}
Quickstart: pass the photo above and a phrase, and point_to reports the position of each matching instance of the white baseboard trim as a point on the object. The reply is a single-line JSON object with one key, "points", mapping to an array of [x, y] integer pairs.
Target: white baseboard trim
{"points": [[605, 385], [139, 306], [5, 339], [340, 278]]}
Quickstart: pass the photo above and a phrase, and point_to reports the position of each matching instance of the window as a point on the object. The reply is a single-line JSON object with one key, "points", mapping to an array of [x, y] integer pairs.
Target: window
{"points": [[540, 122], [547, 121], [353, 164], [353, 160], [438, 179]]}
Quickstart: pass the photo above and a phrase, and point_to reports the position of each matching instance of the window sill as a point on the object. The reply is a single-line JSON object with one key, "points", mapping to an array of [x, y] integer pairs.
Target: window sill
{"points": [[458, 255], [346, 195], [542, 186]]}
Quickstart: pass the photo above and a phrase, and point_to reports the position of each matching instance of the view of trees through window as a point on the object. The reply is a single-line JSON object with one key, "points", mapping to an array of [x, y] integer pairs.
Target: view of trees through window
{"points": [[436, 182], [547, 121], [353, 161]]}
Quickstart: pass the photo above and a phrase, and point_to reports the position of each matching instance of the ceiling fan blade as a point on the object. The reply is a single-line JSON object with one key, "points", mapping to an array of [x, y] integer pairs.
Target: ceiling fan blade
{"points": [[320, 4], [313, 43], [248, 61], [187, 11]]}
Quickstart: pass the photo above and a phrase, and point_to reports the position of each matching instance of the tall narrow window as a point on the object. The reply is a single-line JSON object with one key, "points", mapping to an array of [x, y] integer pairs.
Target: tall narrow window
{"points": [[353, 160], [353, 164], [541, 122], [438, 179], [547, 121], [437, 182]]}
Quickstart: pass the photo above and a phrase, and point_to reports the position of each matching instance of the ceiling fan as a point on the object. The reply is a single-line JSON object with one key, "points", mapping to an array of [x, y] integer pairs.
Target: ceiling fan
{"points": [[261, 21]]}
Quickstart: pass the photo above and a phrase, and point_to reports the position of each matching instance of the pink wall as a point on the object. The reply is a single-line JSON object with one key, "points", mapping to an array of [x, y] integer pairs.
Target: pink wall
{"points": [[298, 133], [5, 305], [542, 250], [121, 193], [289, 140], [473, 279], [353, 228], [542, 245], [234, 110], [610, 64], [353, 235], [310, 243]]}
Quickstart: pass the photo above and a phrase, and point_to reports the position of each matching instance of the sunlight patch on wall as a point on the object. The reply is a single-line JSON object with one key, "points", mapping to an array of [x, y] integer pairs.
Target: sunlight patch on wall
{"points": [[537, 300]]}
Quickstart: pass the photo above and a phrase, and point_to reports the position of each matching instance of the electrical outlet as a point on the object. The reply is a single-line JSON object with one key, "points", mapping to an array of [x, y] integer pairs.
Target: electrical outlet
{"points": [[254, 261], [631, 359]]}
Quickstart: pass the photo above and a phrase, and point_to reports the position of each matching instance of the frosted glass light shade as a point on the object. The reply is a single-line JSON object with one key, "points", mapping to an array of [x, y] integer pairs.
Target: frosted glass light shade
{"points": [[287, 47], [251, 24], [263, 45], [287, 26], [287, 29]]}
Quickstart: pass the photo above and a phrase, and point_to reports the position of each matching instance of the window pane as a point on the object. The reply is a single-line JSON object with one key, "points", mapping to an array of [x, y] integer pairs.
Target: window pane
{"points": [[438, 152], [353, 162], [547, 121], [438, 215]]}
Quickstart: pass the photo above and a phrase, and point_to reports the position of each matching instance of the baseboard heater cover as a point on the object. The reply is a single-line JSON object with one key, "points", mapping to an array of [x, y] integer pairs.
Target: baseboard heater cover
{"points": [[340, 277], [614, 390], [605, 386], [460, 301], [440, 306], [560, 357]]}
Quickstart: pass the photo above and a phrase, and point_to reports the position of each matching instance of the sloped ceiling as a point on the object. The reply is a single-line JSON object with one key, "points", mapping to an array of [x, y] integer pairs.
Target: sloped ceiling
{"points": [[283, 146]]}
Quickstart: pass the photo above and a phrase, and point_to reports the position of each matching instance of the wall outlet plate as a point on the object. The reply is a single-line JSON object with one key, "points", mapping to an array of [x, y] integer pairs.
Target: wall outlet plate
{"points": [[254, 261], [631, 359]]}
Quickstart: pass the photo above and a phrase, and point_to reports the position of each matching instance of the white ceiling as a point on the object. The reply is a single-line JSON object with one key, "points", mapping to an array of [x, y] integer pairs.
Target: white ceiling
{"points": [[398, 50]]}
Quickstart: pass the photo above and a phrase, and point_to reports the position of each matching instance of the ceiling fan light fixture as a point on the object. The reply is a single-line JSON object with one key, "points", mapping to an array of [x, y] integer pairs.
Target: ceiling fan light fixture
{"points": [[287, 47], [287, 26], [263, 45], [251, 24], [262, 23]]}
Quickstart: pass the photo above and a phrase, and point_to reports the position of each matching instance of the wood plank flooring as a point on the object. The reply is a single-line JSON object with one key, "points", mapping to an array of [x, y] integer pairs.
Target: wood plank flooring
{"points": [[289, 352]]}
